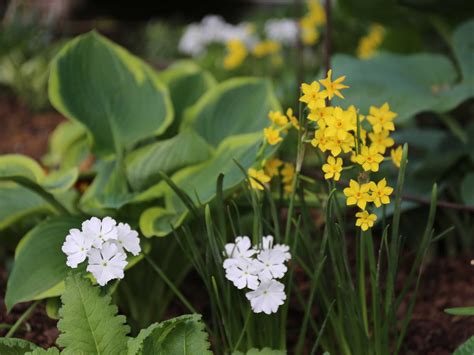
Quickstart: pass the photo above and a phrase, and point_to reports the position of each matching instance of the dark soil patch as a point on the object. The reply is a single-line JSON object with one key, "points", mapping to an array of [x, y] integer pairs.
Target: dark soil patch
{"points": [[22, 131]]}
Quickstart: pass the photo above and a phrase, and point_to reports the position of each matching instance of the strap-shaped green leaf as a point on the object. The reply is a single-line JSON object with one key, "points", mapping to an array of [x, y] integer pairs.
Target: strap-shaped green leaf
{"points": [[184, 335], [89, 323], [14, 346], [115, 95]]}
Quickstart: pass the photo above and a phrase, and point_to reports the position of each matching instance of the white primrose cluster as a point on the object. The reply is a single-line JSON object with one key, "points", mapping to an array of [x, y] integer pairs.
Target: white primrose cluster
{"points": [[104, 244], [258, 268]]}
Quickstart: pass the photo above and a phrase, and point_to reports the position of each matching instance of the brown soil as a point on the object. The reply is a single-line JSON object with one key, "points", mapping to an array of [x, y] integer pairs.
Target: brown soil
{"points": [[22, 131]]}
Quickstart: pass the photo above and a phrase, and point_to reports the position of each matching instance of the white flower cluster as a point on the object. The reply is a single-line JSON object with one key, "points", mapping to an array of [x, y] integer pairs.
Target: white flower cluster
{"points": [[104, 244], [282, 30], [212, 29], [258, 268]]}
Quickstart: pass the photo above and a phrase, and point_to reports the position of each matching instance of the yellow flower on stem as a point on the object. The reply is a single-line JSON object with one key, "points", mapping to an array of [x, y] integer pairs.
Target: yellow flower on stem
{"points": [[381, 118], [338, 124], [396, 155], [365, 220], [312, 96], [320, 140], [319, 115], [272, 135], [272, 167], [333, 87], [265, 48], [288, 189], [380, 192], [288, 173], [336, 145], [294, 121], [369, 158], [357, 194], [278, 118], [332, 169], [257, 178], [381, 140], [236, 54]]}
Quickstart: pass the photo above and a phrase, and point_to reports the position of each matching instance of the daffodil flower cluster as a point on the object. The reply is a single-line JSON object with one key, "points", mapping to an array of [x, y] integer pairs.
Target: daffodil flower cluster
{"points": [[309, 23], [365, 140], [258, 268], [104, 244], [273, 167], [369, 44]]}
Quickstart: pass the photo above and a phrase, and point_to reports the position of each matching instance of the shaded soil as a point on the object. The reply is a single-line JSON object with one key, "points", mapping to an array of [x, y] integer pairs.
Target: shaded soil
{"points": [[22, 131]]}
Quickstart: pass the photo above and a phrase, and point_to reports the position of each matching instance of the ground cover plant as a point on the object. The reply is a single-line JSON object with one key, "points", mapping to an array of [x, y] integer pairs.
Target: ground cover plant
{"points": [[258, 195]]}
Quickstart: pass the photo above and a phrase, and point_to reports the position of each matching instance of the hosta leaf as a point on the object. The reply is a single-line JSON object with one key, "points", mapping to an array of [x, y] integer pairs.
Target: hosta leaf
{"points": [[18, 202], [187, 82], [68, 146], [115, 95], [40, 265], [158, 221], [145, 164], [14, 346], [409, 83], [463, 46], [467, 348], [89, 323], [234, 107], [184, 335]]}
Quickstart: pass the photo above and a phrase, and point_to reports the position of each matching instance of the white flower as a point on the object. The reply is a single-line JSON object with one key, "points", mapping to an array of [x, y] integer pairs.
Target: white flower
{"points": [[99, 231], [243, 274], [282, 30], [107, 263], [76, 246], [267, 243], [271, 264], [267, 297], [241, 249], [127, 239]]}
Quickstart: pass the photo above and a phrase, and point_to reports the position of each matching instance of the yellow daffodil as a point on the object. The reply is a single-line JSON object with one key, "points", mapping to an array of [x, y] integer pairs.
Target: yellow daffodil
{"points": [[368, 44], [320, 141], [336, 145], [278, 118], [381, 118], [257, 178], [312, 96], [365, 220], [288, 173], [338, 124], [316, 12], [369, 158], [294, 121], [333, 87], [357, 194], [332, 169], [236, 54], [265, 48], [380, 192], [396, 155], [287, 189], [272, 135], [272, 167], [381, 140]]}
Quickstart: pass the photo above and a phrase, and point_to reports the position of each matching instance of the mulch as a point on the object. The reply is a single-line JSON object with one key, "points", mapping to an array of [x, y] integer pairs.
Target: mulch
{"points": [[445, 283]]}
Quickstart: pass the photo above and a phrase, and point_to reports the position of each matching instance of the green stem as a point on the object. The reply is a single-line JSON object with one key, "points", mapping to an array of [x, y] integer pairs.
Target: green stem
{"points": [[23, 318], [170, 285]]}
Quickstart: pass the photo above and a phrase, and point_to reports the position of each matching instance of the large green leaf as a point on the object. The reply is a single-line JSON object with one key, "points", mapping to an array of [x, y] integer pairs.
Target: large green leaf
{"points": [[199, 182], [234, 107], [68, 146], [27, 172], [41, 351], [13, 346], [115, 95], [184, 335], [467, 348], [17, 202], [145, 164], [40, 265], [187, 82], [463, 46], [89, 323], [410, 84]]}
